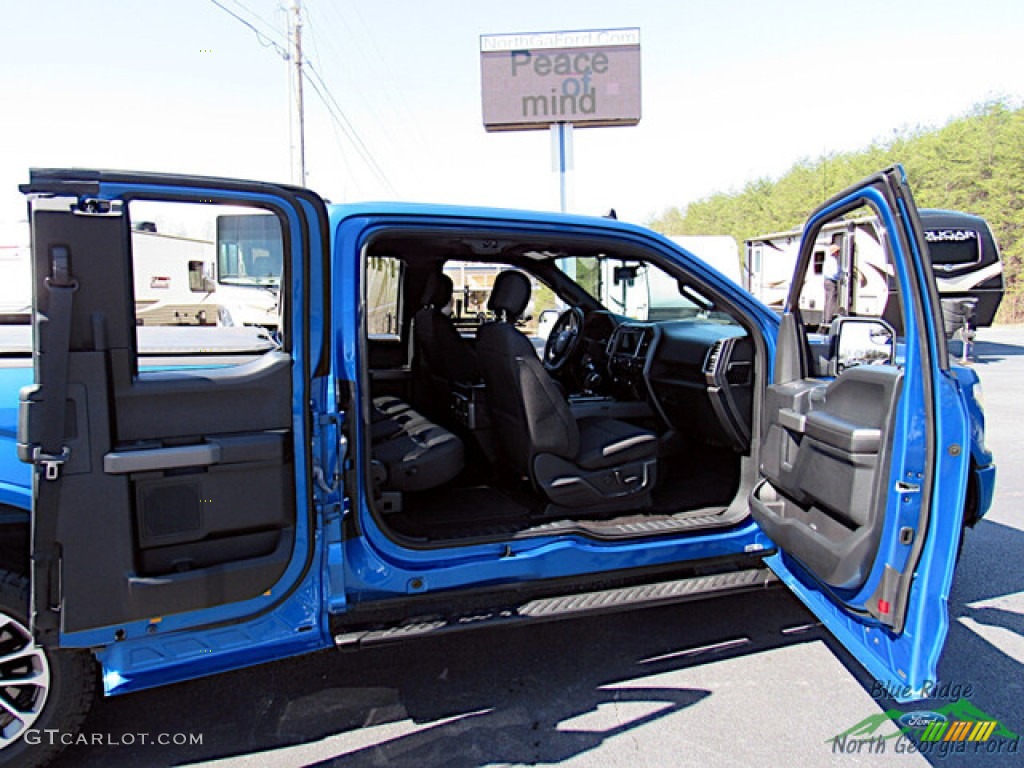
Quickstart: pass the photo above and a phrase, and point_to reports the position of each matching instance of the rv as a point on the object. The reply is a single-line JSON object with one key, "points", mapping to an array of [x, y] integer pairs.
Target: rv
{"points": [[963, 253], [192, 278], [16, 287]]}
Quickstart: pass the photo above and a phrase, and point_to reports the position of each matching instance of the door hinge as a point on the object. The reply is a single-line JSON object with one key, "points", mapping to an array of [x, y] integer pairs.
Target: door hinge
{"points": [[329, 480], [328, 419], [334, 510], [93, 206]]}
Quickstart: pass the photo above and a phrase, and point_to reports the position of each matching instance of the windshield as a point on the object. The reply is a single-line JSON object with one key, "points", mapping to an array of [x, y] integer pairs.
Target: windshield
{"points": [[953, 246], [249, 249], [637, 289]]}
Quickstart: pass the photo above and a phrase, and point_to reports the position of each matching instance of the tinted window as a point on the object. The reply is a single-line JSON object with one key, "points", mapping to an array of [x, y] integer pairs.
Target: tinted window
{"points": [[953, 246]]}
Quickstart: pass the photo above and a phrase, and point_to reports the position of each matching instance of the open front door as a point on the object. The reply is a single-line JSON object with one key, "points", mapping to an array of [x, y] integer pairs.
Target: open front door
{"points": [[170, 448], [863, 449]]}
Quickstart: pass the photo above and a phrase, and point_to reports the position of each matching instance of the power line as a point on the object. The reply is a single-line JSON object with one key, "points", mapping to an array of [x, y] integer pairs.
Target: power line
{"points": [[273, 30], [260, 37], [354, 85], [341, 119], [334, 110], [392, 92], [349, 128]]}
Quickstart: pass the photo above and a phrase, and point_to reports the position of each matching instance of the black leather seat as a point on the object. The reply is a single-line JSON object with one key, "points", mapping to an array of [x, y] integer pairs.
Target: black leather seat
{"points": [[389, 416], [599, 464], [414, 453], [441, 355]]}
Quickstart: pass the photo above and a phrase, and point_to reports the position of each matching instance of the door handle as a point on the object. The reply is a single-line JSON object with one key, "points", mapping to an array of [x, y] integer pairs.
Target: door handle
{"points": [[151, 459]]}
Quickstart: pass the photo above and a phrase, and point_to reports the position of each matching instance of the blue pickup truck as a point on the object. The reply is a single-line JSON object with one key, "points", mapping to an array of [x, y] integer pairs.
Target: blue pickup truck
{"points": [[371, 471]]}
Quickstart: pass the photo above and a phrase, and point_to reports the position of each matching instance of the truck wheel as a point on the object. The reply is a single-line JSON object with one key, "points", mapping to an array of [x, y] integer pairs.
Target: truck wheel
{"points": [[39, 689]]}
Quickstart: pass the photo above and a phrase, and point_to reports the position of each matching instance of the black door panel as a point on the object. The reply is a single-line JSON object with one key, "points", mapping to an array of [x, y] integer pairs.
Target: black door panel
{"points": [[250, 397], [840, 433], [825, 460], [178, 489], [229, 524]]}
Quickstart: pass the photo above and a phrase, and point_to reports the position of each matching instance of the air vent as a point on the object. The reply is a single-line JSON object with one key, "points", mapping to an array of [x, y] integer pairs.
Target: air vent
{"points": [[645, 342], [711, 361]]}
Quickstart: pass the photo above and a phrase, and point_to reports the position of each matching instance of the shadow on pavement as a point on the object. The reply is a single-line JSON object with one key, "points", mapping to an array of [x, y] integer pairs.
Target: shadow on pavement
{"points": [[993, 681], [985, 352], [991, 567], [524, 695]]}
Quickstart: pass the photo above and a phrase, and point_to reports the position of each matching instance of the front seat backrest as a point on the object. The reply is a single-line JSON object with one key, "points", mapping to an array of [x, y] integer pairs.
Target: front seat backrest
{"points": [[529, 414], [441, 355]]}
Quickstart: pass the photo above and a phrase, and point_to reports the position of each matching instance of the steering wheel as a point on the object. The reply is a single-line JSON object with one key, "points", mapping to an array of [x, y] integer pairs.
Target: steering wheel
{"points": [[564, 339]]}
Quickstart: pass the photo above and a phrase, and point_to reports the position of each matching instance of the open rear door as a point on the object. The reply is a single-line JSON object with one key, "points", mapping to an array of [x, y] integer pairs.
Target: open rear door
{"points": [[171, 451], [863, 444]]}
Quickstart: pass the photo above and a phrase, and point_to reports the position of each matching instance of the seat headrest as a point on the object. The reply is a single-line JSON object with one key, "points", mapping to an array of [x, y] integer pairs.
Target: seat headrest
{"points": [[438, 290], [510, 295]]}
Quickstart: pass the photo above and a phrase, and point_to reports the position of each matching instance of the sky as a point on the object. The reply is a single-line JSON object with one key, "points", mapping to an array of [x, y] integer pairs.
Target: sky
{"points": [[732, 91]]}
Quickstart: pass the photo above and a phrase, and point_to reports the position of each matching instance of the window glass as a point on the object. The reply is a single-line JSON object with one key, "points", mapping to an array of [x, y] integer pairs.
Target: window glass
{"points": [[205, 277], [953, 246], [249, 249], [383, 297], [201, 277], [472, 283], [850, 274], [639, 290]]}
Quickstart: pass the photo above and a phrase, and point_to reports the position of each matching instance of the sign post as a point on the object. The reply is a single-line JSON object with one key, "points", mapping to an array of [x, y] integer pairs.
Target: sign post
{"points": [[561, 159]]}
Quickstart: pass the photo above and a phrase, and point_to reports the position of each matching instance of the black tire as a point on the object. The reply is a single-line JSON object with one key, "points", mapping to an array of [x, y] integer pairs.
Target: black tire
{"points": [[65, 691]]}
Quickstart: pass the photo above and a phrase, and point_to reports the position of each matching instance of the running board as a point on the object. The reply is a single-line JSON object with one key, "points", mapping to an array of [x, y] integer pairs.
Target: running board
{"points": [[567, 606]]}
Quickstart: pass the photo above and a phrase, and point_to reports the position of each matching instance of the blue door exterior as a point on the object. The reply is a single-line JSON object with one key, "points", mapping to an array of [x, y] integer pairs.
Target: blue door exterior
{"points": [[894, 619]]}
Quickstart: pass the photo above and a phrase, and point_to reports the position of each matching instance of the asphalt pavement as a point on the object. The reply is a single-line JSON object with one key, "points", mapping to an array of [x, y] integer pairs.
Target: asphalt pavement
{"points": [[746, 680]]}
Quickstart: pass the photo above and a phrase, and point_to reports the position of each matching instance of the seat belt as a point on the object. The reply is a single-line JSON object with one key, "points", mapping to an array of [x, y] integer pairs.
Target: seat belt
{"points": [[50, 453]]}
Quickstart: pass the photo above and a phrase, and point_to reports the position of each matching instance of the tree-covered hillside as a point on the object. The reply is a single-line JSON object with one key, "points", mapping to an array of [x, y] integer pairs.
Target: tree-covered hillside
{"points": [[974, 163]]}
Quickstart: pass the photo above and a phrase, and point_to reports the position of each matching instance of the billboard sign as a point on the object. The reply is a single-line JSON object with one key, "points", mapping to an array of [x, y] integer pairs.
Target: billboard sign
{"points": [[587, 78]]}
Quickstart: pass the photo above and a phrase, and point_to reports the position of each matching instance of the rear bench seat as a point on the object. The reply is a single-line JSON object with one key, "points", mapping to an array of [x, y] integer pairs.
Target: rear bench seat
{"points": [[415, 453]]}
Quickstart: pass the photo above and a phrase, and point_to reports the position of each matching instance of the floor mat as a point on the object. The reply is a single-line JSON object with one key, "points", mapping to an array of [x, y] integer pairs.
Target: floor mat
{"points": [[461, 513], [686, 482], [691, 481]]}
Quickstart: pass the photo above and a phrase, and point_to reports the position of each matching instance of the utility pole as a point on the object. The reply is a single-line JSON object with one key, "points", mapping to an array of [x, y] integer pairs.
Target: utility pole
{"points": [[296, 54]]}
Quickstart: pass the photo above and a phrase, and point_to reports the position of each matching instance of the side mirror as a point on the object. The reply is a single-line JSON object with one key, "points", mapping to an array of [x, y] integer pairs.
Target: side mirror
{"points": [[625, 274], [547, 321], [200, 277], [549, 315], [861, 341]]}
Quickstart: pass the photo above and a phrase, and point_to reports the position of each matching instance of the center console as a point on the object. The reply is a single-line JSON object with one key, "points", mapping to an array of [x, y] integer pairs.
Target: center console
{"points": [[469, 405], [628, 349], [469, 408]]}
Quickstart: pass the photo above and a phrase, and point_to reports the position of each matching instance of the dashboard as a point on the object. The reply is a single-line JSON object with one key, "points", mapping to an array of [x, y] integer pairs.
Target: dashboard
{"points": [[696, 373]]}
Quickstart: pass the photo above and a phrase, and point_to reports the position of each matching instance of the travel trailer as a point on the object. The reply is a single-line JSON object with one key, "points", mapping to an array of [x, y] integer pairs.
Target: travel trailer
{"points": [[961, 249]]}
